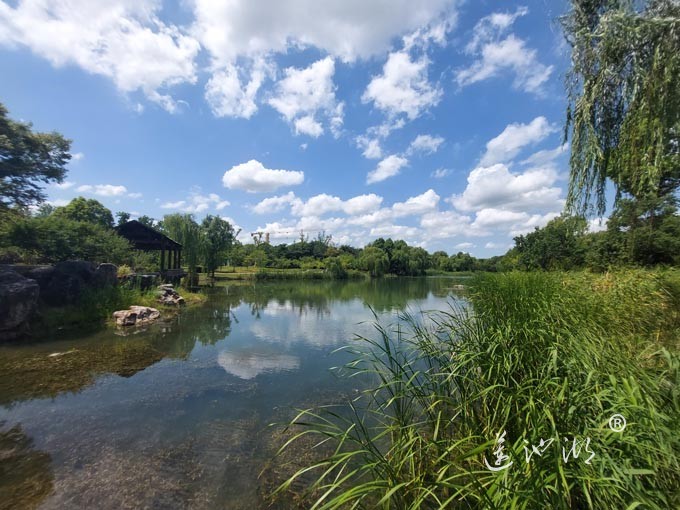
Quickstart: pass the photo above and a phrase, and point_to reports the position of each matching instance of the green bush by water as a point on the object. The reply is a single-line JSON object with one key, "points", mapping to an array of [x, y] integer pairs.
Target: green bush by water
{"points": [[547, 356], [93, 308]]}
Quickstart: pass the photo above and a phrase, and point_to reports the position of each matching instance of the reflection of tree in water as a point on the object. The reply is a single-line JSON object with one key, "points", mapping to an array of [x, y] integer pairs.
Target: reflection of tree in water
{"points": [[380, 294], [26, 477], [33, 372]]}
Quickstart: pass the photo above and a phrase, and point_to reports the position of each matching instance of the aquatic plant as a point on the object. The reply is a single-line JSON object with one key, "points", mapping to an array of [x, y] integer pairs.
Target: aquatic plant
{"points": [[541, 360]]}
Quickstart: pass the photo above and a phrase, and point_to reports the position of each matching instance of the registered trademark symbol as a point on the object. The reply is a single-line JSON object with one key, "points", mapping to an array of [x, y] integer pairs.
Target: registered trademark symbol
{"points": [[617, 423]]}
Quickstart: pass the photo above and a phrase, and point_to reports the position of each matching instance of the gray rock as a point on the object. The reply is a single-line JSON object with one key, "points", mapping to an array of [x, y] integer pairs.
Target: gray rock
{"points": [[42, 275], [106, 275], [136, 316], [18, 299], [69, 280], [167, 295]]}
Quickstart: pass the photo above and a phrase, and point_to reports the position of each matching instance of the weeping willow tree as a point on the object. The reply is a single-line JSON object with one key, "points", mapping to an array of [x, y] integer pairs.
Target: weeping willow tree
{"points": [[623, 115], [184, 229]]}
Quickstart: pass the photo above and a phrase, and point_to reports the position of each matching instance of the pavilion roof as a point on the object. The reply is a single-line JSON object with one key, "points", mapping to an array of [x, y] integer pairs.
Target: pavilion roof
{"points": [[143, 237]]}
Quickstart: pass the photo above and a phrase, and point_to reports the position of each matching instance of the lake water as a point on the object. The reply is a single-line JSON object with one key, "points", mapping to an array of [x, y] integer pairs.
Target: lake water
{"points": [[178, 415]]}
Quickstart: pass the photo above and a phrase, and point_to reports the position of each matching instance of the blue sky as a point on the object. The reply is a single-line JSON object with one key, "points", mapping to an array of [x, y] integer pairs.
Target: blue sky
{"points": [[434, 121]]}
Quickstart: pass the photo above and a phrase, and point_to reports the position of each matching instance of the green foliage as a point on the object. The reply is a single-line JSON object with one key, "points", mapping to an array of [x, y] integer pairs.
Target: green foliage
{"points": [[184, 229], [85, 210], [646, 231], [28, 159], [148, 221], [55, 238], [624, 101], [257, 258], [558, 245], [218, 236], [374, 260], [94, 308], [539, 356], [122, 217], [335, 270]]}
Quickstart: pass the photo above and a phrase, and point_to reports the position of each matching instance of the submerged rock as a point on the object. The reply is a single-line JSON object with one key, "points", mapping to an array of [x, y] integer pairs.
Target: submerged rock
{"points": [[167, 295], [136, 315], [18, 299]]}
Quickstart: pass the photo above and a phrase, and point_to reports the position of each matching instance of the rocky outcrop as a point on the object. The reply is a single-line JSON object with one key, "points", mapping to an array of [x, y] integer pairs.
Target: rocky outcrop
{"points": [[69, 280], [65, 283], [136, 316], [167, 295], [106, 275], [18, 300]]}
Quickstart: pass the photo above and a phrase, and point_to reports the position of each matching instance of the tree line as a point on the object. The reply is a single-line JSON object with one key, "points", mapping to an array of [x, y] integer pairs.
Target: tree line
{"points": [[622, 120]]}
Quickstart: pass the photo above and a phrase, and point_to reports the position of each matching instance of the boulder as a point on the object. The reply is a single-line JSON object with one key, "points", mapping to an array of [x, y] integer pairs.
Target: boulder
{"points": [[167, 295], [136, 316], [41, 274], [18, 300], [106, 275], [69, 281]]}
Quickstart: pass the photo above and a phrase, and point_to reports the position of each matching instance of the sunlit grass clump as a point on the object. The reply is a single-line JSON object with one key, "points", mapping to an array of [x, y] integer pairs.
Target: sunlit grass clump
{"points": [[538, 356]]}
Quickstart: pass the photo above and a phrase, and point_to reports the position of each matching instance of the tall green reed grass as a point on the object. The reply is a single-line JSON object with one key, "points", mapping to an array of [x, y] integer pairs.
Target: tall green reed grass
{"points": [[547, 356]]}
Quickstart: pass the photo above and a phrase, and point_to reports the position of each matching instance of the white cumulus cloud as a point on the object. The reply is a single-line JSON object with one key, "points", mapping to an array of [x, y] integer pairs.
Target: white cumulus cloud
{"points": [[427, 144], [347, 29], [497, 187], [388, 167], [304, 95], [123, 40], [230, 95], [403, 87], [197, 203], [514, 138], [417, 205], [253, 177], [104, 190], [495, 55]]}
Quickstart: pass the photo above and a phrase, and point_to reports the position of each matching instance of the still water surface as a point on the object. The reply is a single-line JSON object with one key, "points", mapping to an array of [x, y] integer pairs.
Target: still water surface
{"points": [[178, 415]]}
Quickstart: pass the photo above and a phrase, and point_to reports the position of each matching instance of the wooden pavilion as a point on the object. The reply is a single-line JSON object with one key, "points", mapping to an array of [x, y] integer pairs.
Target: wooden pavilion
{"points": [[146, 238]]}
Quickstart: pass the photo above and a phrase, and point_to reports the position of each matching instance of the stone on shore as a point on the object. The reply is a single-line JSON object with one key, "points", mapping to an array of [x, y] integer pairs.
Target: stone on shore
{"points": [[167, 295], [136, 316]]}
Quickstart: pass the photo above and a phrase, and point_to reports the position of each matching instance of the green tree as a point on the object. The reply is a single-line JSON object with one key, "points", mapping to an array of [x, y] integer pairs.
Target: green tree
{"points": [[86, 210], [257, 258], [148, 221], [218, 237], [28, 159], [645, 231], [44, 210], [623, 115], [53, 239], [184, 229], [335, 269], [123, 217], [558, 245], [374, 260]]}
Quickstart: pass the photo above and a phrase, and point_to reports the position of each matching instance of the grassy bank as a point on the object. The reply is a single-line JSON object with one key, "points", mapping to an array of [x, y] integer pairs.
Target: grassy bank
{"points": [[540, 356], [265, 273], [96, 307]]}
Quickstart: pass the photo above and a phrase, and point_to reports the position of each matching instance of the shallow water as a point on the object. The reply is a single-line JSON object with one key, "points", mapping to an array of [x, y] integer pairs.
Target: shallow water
{"points": [[178, 415]]}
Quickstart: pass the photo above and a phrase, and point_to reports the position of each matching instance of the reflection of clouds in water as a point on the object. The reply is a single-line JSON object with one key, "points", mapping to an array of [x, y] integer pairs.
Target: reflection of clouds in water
{"points": [[288, 324], [285, 323], [250, 365]]}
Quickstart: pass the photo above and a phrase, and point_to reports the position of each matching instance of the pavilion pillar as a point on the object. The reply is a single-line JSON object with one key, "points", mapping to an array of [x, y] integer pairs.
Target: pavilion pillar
{"points": [[176, 259], [162, 259]]}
